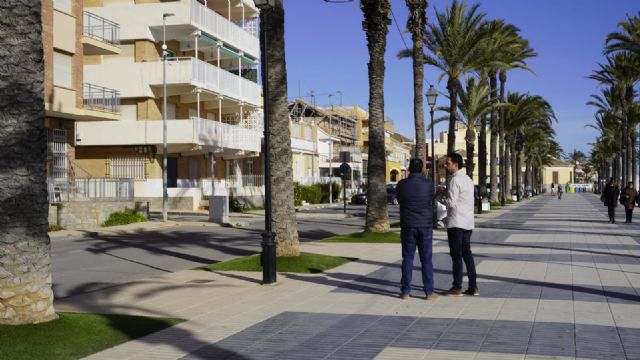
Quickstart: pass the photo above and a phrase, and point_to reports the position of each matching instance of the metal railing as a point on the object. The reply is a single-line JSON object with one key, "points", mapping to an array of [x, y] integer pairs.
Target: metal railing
{"points": [[231, 182], [224, 29], [102, 189], [101, 98], [210, 132], [101, 29]]}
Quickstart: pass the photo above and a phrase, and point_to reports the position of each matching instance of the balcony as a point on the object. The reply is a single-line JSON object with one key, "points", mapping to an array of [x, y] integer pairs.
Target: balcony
{"points": [[139, 20], [180, 71], [182, 135], [100, 36], [302, 145], [101, 98]]}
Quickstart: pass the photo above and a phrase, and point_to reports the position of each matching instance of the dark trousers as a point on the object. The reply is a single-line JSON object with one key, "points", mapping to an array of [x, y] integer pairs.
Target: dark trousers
{"points": [[612, 213], [628, 212], [422, 239], [460, 249]]}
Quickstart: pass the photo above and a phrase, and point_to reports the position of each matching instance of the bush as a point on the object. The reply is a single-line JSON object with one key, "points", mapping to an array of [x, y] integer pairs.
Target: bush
{"points": [[126, 216], [55, 227], [315, 193], [235, 205]]}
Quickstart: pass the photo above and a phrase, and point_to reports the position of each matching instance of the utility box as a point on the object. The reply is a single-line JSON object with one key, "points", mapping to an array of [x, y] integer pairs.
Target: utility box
{"points": [[485, 205], [219, 209]]}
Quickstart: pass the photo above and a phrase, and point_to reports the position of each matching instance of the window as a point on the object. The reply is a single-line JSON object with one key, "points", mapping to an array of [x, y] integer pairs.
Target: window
{"points": [[62, 70], [128, 167], [59, 154], [63, 5]]}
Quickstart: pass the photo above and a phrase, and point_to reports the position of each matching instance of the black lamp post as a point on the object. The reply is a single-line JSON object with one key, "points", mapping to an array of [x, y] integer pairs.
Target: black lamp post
{"points": [[268, 256], [432, 96]]}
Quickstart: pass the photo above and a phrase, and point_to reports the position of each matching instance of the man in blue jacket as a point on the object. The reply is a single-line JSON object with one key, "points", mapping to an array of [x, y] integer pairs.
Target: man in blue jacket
{"points": [[415, 197]]}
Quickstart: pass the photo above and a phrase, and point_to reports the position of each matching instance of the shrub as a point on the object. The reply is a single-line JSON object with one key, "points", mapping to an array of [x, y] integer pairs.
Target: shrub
{"points": [[235, 205], [126, 216], [55, 227], [315, 193]]}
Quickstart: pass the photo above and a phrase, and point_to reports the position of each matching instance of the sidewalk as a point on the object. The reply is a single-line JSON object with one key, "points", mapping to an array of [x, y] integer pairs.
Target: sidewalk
{"points": [[556, 281]]}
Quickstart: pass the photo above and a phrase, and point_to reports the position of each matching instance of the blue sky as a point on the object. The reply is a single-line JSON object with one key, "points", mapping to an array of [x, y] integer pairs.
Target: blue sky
{"points": [[326, 52]]}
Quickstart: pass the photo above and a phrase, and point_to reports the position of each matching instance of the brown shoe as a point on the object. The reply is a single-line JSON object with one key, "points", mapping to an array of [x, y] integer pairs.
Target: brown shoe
{"points": [[453, 292], [431, 296], [472, 292], [404, 296]]}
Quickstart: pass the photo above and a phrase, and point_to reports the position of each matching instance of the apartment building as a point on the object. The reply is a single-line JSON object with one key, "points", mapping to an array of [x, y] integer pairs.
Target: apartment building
{"points": [[213, 110], [70, 35]]}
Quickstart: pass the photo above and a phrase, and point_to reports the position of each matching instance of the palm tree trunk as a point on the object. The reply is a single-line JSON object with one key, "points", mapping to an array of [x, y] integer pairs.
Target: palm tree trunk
{"points": [[452, 87], [634, 157], [470, 139], [629, 153], [493, 124], [26, 296], [507, 170], [283, 207], [375, 24], [503, 167], [514, 167], [416, 24], [518, 175], [482, 149]]}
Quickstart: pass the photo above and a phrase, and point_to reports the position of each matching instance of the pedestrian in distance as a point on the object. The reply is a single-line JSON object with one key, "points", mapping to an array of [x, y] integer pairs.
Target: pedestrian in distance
{"points": [[610, 198], [559, 192], [553, 190], [628, 199], [460, 224], [415, 197]]}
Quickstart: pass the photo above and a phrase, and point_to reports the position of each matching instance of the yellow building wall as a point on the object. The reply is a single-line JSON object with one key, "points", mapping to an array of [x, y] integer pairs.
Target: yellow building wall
{"points": [[564, 174]]}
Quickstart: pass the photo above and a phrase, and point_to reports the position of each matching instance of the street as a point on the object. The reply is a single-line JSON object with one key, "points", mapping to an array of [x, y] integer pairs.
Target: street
{"points": [[84, 265]]}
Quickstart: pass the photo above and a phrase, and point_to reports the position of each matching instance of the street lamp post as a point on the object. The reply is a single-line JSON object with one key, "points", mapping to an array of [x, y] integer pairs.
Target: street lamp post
{"points": [[165, 196], [432, 96], [268, 256]]}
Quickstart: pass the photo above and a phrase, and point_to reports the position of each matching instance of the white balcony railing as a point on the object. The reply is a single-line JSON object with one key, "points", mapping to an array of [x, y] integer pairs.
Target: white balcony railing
{"points": [[225, 30], [205, 75], [302, 145], [211, 132]]}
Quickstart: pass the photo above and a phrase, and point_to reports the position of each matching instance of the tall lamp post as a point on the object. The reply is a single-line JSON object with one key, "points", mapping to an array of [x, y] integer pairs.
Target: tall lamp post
{"points": [[268, 256], [165, 196], [432, 96]]}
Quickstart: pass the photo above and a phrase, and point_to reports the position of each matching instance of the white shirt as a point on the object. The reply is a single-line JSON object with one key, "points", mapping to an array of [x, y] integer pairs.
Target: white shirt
{"points": [[459, 202]]}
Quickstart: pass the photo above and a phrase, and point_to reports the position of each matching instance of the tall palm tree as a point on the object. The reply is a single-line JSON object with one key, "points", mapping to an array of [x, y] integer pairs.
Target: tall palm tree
{"points": [[25, 266], [626, 40], [576, 157], [454, 43], [417, 25], [375, 24], [474, 105], [283, 206], [513, 57]]}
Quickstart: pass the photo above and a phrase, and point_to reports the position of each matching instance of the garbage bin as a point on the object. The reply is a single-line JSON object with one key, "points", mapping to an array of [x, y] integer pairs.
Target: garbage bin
{"points": [[219, 209]]}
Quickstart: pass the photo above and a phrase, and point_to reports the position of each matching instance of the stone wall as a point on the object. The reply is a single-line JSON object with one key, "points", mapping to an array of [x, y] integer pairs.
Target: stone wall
{"points": [[85, 215]]}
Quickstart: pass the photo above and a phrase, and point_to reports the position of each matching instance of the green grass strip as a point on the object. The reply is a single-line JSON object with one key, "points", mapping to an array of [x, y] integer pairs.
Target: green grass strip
{"points": [[306, 263], [75, 335], [365, 237]]}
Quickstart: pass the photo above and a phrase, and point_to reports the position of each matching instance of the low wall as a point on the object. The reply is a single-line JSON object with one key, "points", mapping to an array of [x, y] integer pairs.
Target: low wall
{"points": [[252, 197], [85, 215]]}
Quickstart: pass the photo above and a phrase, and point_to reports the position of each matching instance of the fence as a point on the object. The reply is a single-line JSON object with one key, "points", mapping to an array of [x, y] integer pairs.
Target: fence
{"points": [[232, 182], [101, 98], [103, 189], [101, 29]]}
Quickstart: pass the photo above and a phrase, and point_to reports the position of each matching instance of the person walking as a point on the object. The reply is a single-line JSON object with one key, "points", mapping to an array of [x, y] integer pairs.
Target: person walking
{"points": [[460, 224], [610, 197], [559, 192], [628, 199], [415, 197]]}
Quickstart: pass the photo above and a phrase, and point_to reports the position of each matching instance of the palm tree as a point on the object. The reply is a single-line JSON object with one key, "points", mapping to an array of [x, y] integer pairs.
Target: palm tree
{"points": [[375, 25], [474, 105], [283, 206], [576, 157], [628, 40], [417, 26], [454, 45], [25, 269], [513, 57]]}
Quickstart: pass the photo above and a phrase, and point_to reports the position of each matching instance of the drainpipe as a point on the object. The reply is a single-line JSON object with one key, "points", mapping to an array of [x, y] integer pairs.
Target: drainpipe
{"points": [[229, 10]]}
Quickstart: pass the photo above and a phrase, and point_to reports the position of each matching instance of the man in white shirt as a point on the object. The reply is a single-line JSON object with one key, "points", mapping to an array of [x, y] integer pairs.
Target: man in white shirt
{"points": [[460, 223]]}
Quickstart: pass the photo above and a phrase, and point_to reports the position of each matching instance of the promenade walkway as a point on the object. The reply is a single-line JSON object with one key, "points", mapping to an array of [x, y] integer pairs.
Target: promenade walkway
{"points": [[556, 281]]}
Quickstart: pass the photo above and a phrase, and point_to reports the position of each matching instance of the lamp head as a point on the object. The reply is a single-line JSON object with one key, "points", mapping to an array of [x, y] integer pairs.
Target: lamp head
{"points": [[432, 96]]}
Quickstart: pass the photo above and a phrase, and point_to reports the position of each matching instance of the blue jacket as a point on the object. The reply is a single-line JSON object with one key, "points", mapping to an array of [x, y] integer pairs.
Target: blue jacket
{"points": [[415, 196]]}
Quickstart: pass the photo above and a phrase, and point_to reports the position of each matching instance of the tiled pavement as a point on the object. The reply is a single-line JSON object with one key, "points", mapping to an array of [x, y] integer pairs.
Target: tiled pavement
{"points": [[556, 281]]}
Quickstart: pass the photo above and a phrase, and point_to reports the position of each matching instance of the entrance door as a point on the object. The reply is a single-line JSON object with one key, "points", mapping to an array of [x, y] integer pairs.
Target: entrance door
{"points": [[172, 172]]}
